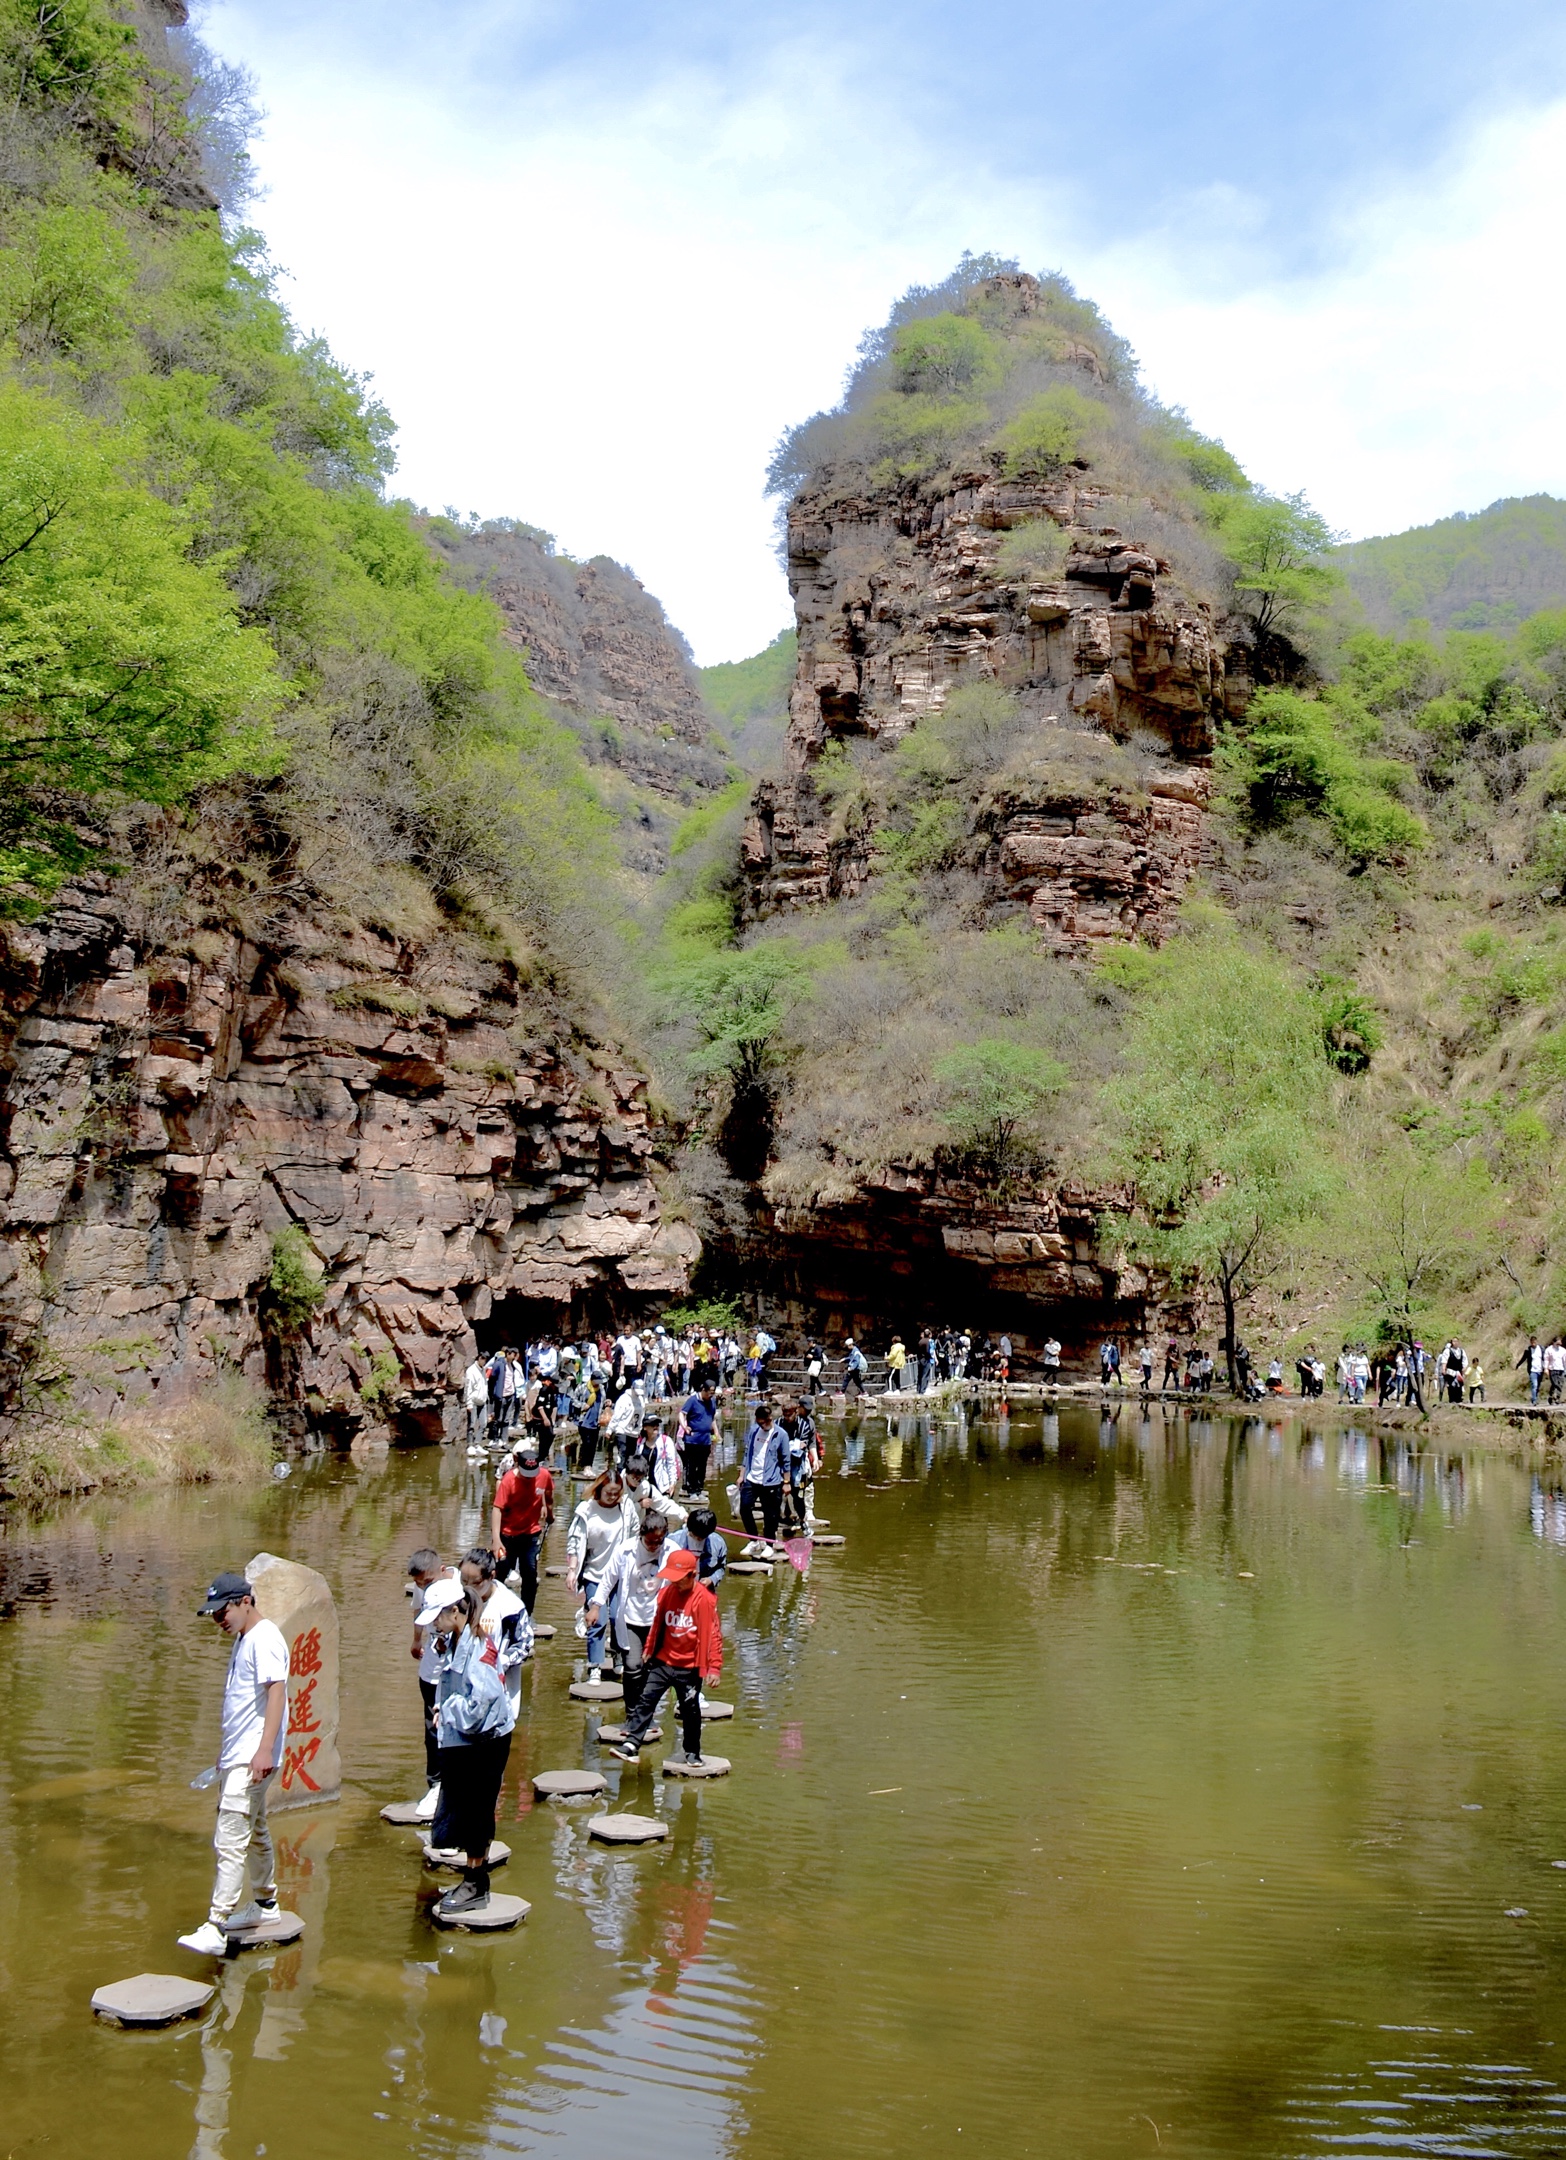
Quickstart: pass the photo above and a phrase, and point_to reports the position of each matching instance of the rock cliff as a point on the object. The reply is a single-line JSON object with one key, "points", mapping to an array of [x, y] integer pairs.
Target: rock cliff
{"points": [[902, 593], [598, 645], [457, 1172]]}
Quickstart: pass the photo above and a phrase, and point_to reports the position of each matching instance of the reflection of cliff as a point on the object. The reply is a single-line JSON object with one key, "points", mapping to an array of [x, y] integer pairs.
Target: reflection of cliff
{"points": [[902, 593], [166, 1114]]}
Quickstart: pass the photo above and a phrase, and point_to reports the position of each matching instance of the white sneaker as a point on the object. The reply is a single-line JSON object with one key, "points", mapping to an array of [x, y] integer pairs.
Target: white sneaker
{"points": [[749, 1552], [594, 1674], [250, 1916], [208, 1940], [427, 1808]]}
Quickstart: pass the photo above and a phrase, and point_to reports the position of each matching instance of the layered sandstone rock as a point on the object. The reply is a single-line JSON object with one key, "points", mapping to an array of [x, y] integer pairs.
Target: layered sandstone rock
{"points": [[899, 597], [598, 645], [1032, 1264], [166, 1115]]}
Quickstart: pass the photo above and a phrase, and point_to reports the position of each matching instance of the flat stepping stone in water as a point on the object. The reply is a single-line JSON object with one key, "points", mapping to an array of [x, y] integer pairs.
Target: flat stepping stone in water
{"points": [[438, 1856], [829, 1544], [542, 1631], [627, 1829], [405, 1814], [151, 1999], [750, 1567], [287, 1927], [500, 1912], [709, 1766], [612, 1735], [597, 1691], [568, 1784], [557, 1572], [713, 1713]]}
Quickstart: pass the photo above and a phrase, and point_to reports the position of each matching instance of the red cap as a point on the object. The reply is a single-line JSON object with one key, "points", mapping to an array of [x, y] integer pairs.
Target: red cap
{"points": [[679, 1564]]}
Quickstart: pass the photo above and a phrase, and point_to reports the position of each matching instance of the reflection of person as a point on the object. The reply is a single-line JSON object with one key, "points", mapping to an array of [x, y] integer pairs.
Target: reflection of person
{"points": [[255, 1719], [474, 1717], [684, 1650]]}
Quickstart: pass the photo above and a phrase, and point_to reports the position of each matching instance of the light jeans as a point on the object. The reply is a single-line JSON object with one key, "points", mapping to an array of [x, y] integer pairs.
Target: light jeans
{"points": [[242, 1835]]}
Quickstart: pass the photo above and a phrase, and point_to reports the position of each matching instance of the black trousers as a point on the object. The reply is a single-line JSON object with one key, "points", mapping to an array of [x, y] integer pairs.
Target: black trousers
{"points": [[771, 1498], [657, 1679], [634, 1671], [470, 1780], [694, 1454], [431, 1744], [522, 1554]]}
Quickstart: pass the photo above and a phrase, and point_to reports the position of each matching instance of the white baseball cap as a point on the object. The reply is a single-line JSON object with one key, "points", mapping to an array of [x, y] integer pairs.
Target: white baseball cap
{"points": [[444, 1592]]}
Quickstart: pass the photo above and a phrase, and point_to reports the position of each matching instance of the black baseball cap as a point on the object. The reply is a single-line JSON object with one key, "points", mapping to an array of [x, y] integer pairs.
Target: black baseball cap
{"points": [[223, 1590]]}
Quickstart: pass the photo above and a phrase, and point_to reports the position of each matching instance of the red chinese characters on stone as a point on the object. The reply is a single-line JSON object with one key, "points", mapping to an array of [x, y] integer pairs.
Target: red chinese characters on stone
{"points": [[306, 1654], [301, 1710], [295, 1758]]}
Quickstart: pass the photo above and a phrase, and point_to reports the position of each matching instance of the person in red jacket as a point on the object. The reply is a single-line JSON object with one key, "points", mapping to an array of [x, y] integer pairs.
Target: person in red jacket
{"points": [[523, 1510], [684, 1649]]}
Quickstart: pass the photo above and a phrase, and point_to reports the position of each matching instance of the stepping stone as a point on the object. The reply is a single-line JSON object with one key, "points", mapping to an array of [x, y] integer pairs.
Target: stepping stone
{"points": [[597, 1691], [557, 1572], [709, 1766], [750, 1567], [627, 1829], [151, 1999], [436, 1857], [500, 1912], [286, 1928], [542, 1631], [568, 1784], [713, 1713], [612, 1735], [828, 1544], [404, 1813]]}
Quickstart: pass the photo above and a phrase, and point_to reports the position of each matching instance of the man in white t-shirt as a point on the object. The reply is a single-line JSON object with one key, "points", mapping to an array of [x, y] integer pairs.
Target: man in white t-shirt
{"points": [[255, 1723]]}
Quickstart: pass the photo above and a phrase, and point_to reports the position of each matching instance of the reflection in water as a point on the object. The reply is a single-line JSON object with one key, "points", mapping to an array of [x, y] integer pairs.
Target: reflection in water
{"points": [[1132, 1781]]}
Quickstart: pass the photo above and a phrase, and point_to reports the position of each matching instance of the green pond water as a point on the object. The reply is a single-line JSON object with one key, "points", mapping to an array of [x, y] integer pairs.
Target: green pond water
{"points": [[1136, 1785]]}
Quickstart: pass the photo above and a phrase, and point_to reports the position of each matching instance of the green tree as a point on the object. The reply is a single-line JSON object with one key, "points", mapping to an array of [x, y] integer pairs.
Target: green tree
{"points": [[1222, 1120], [123, 664], [1409, 1226], [1278, 545], [1295, 753], [943, 355], [995, 1090], [1051, 430]]}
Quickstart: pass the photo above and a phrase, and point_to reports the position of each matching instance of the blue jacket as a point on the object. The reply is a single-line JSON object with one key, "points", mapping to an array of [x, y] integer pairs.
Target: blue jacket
{"points": [[471, 1702], [712, 1555], [765, 1460]]}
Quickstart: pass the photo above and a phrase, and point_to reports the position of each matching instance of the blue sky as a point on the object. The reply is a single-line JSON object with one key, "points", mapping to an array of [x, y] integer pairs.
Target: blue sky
{"points": [[598, 255]]}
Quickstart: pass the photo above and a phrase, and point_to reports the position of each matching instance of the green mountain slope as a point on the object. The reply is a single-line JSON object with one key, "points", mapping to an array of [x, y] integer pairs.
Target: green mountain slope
{"points": [[1488, 571]]}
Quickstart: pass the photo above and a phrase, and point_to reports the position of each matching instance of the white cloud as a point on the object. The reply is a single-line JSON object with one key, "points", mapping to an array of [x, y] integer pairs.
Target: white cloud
{"points": [[601, 320], [1418, 375]]}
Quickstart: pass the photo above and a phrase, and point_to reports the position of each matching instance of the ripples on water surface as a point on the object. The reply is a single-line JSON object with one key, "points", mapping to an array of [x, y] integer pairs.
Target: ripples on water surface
{"points": [[1127, 1785]]}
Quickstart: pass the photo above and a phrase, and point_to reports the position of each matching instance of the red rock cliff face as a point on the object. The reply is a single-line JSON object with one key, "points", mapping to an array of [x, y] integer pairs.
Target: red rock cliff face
{"points": [[598, 645], [899, 597], [165, 1115]]}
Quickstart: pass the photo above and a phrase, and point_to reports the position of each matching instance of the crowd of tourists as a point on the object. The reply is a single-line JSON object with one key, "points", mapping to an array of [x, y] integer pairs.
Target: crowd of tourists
{"points": [[645, 1559]]}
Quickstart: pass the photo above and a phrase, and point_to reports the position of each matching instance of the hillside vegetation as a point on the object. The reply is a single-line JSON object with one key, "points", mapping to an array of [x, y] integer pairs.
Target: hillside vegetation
{"points": [[1488, 570], [216, 628], [1339, 1093]]}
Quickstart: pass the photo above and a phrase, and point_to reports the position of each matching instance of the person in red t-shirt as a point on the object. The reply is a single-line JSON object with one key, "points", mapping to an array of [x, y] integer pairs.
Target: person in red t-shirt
{"points": [[523, 1510], [684, 1649]]}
